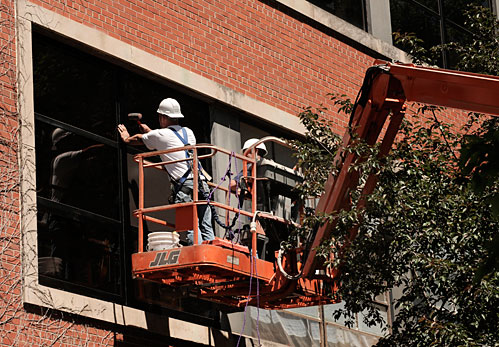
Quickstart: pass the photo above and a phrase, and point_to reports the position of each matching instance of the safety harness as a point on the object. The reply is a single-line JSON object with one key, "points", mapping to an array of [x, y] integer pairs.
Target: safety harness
{"points": [[184, 139], [206, 195]]}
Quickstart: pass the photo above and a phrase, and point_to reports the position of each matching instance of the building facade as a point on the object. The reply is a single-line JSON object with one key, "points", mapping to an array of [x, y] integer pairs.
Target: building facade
{"points": [[72, 70]]}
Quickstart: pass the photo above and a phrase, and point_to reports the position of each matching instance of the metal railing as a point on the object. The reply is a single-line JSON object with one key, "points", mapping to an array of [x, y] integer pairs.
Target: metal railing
{"points": [[189, 209]]}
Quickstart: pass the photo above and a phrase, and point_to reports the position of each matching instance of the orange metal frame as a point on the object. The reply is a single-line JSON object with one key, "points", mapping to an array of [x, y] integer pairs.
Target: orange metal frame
{"points": [[389, 90], [219, 270]]}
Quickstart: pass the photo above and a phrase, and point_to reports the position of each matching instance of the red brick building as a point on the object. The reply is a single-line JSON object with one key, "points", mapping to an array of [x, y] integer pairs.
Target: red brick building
{"points": [[75, 69]]}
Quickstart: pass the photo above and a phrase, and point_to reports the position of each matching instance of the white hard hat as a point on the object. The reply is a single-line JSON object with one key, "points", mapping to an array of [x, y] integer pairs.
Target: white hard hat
{"points": [[251, 142], [170, 108]]}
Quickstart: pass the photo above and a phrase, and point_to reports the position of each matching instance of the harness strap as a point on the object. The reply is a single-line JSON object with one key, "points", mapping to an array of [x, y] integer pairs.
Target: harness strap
{"points": [[184, 139], [205, 194]]}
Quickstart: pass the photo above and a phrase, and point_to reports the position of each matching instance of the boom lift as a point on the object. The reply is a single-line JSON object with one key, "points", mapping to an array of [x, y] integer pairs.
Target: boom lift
{"points": [[234, 274]]}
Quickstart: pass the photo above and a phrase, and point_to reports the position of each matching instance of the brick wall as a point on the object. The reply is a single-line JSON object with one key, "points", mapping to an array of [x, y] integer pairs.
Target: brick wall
{"points": [[10, 267]]}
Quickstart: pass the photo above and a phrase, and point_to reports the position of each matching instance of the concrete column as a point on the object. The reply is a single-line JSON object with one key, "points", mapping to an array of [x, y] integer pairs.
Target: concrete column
{"points": [[224, 133], [378, 19]]}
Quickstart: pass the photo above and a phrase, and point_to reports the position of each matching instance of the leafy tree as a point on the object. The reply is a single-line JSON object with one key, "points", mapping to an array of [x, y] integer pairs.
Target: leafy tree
{"points": [[426, 229], [479, 155]]}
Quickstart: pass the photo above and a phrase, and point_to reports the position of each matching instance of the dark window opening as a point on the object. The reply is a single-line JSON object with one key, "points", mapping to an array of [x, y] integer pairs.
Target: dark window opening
{"points": [[352, 11], [86, 185], [435, 22]]}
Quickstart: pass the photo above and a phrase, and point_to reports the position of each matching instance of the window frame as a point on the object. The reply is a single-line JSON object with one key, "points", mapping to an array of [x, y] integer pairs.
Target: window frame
{"points": [[439, 14], [128, 293], [363, 14]]}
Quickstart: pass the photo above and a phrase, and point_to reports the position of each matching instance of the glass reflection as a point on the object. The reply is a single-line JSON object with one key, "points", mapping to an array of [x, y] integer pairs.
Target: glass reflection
{"points": [[421, 22], [431, 4], [78, 210], [351, 11], [454, 9], [75, 249], [76, 171], [74, 88]]}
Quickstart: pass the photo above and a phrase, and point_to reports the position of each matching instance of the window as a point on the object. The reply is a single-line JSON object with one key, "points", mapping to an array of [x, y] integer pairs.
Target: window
{"points": [[352, 11], [86, 177], [434, 21], [79, 216]]}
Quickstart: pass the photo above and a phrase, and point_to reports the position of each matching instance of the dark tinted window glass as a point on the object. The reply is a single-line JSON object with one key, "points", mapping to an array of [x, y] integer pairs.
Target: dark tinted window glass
{"points": [[143, 96], [430, 4], [433, 21], [87, 180], [453, 9], [455, 34], [76, 171], [409, 18], [352, 11], [73, 88], [77, 248]]}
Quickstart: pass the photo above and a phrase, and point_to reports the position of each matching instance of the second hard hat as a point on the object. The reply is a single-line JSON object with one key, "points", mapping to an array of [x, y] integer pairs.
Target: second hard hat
{"points": [[251, 142], [170, 108]]}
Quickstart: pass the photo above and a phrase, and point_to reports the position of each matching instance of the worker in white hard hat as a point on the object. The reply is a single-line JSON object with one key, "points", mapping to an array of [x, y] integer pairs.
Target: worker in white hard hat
{"points": [[261, 149], [260, 152], [172, 135]]}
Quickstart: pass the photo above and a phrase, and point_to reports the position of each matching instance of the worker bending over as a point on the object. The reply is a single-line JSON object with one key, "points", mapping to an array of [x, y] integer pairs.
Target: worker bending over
{"points": [[172, 135], [239, 180]]}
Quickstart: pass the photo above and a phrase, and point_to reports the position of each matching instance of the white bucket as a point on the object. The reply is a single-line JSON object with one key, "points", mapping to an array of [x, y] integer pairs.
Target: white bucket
{"points": [[161, 240]]}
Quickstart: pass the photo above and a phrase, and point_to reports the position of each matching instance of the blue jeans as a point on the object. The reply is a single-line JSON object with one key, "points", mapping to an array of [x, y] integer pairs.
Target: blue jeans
{"points": [[205, 228]]}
